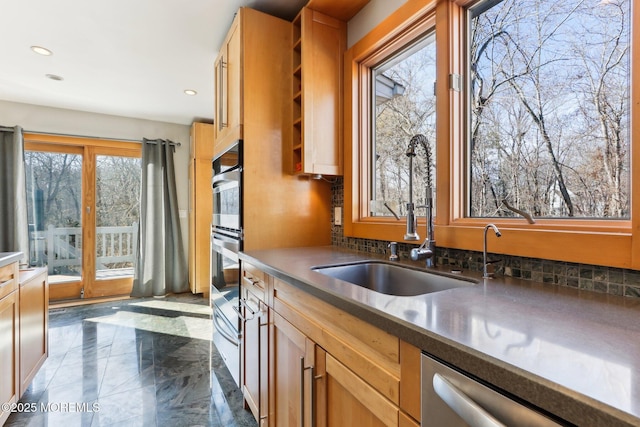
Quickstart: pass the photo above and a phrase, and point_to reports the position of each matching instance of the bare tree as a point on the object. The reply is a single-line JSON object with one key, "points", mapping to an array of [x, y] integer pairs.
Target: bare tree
{"points": [[549, 104]]}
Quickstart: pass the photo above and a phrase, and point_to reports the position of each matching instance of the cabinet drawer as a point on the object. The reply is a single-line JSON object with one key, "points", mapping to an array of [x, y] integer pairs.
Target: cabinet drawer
{"points": [[8, 279], [254, 280]]}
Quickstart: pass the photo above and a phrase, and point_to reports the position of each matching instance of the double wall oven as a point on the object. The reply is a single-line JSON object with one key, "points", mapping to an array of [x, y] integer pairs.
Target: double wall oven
{"points": [[226, 242]]}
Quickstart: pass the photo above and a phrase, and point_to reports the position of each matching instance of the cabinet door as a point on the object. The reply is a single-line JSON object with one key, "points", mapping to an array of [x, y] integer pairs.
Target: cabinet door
{"points": [[8, 352], [291, 372], [227, 94], [255, 355], [347, 400], [34, 317], [317, 91]]}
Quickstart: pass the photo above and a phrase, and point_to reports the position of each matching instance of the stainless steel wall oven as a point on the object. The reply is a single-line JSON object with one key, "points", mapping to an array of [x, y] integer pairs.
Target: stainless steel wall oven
{"points": [[226, 242]]}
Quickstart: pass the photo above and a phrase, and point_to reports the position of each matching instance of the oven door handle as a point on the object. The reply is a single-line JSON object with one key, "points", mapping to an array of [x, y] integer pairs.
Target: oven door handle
{"points": [[251, 311], [223, 329], [225, 177]]}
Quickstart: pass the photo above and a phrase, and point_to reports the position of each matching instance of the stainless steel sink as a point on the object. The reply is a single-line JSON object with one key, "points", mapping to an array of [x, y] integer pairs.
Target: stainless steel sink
{"points": [[393, 279]]}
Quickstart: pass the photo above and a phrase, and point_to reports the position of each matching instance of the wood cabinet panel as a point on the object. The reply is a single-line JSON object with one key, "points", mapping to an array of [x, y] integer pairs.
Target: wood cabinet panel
{"points": [[34, 322], [200, 211], [410, 381], [9, 351], [351, 401], [200, 207], [201, 141], [407, 421], [255, 342], [227, 105], [291, 354], [317, 120]]}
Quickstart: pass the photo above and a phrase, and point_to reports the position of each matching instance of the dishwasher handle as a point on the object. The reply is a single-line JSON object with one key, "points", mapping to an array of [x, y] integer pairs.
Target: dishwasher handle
{"points": [[466, 408]]}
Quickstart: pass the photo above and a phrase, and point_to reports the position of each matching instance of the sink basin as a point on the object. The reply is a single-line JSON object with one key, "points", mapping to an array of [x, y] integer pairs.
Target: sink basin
{"points": [[393, 279]]}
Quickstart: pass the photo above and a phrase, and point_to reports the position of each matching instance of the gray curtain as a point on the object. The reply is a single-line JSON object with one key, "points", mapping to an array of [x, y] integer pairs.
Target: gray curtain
{"points": [[161, 265], [14, 228]]}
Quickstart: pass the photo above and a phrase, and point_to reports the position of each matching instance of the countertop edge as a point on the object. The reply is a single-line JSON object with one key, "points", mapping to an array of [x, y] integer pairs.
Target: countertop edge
{"points": [[548, 396], [7, 258]]}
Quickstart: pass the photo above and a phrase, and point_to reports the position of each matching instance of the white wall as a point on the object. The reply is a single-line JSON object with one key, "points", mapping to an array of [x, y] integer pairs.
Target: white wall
{"points": [[369, 17], [35, 118]]}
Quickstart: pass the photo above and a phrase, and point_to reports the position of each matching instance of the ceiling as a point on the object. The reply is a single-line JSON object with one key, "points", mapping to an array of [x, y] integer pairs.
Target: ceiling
{"points": [[120, 57]]}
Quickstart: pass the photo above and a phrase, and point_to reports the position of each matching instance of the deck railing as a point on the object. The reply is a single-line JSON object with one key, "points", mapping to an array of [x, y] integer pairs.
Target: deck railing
{"points": [[61, 247]]}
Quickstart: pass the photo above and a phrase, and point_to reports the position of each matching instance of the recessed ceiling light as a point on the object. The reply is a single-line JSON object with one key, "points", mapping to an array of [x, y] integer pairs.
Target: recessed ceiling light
{"points": [[190, 92], [54, 77], [41, 50]]}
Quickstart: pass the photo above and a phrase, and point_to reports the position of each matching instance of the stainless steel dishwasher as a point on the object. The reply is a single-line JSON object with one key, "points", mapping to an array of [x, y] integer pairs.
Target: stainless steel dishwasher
{"points": [[452, 399]]}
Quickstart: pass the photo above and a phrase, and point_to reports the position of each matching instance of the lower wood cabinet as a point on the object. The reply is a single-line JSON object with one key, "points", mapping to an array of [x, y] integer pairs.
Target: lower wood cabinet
{"points": [[323, 367], [24, 315], [34, 320], [9, 340], [291, 388], [255, 337]]}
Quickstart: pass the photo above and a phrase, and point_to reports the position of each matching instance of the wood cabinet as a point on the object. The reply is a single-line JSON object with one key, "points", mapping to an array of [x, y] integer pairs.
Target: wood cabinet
{"points": [[291, 388], [275, 202], [34, 323], [228, 107], [200, 207], [9, 338], [254, 346], [319, 42], [325, 366], [351, 401]]}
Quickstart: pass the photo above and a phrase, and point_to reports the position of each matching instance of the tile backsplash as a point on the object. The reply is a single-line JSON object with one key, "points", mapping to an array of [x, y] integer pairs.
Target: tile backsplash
{"points": [[611, 280]]}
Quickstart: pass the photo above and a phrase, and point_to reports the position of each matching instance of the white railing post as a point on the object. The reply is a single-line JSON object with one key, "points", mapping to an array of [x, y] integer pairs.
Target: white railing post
{"points": [[50, 248]]}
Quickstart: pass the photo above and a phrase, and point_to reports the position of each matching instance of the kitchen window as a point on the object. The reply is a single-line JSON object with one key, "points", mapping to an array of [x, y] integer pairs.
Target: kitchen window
{"points": [[548, 106], [403, 111], [473, 150]]}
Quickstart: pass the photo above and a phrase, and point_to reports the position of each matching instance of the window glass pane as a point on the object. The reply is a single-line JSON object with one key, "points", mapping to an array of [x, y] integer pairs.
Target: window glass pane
{"points": [[404, 107], [549, 108], [117, 215], [54, 203]]}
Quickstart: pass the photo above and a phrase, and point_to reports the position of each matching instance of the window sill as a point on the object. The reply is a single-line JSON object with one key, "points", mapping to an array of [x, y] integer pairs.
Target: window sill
{"points": [[589, 242]]}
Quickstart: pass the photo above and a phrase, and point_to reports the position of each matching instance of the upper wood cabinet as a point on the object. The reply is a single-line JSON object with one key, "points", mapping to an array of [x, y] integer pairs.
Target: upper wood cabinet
{"points": [[319, 42], [228, 101], [274, 201], [249, 81]]}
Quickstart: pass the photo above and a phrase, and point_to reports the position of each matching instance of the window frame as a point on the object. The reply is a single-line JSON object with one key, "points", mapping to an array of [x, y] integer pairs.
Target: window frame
{"points": [[587, 241]]}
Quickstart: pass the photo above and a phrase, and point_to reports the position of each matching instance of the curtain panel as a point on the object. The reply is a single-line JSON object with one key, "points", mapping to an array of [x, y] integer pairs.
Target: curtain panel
{"points": [[161, 265], [14, 226]]}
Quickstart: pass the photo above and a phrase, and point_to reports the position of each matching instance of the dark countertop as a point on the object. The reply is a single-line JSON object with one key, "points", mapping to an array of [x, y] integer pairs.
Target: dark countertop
{"points": [[575, 354], [7, 258]]}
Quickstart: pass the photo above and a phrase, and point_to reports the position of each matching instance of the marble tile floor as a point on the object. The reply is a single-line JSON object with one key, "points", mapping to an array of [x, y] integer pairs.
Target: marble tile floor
{"points": [[135, 362]]}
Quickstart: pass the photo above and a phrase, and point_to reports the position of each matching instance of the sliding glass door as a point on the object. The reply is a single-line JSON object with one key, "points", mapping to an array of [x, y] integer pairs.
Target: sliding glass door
{"points": [[54, 194], [83, 201]]}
